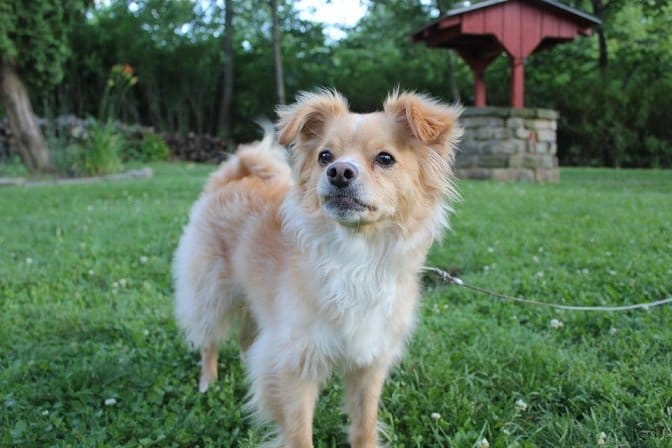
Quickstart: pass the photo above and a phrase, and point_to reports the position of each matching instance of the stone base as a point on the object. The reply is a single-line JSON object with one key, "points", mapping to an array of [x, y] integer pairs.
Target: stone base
{"points": [[507, 144]]}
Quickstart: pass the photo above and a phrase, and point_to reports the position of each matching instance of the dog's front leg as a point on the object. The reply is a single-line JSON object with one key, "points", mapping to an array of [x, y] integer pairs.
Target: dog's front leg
{"points": [[362, 394], [291, 400]]}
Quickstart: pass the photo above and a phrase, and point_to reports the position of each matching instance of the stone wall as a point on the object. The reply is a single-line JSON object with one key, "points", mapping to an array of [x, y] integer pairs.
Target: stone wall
{"points": [[505, 144], [69, 129]]}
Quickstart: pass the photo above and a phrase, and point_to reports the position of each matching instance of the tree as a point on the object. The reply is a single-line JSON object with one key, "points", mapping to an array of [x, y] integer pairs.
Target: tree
{"points": [[277, 53], [444, 6], [227, 82], [33, 47]]}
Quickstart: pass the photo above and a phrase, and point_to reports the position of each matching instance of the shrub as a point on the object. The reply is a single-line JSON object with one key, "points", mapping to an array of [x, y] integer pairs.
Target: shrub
{"points": [[152, 147], [97, 153]]}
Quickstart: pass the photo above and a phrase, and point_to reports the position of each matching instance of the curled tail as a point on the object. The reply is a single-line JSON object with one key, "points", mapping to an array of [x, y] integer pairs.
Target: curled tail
{"points": [[264, 159]]}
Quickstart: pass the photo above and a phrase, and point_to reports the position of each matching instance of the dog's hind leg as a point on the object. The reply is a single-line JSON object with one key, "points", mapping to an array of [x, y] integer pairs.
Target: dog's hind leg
{"points": [[207, 325], [206, 299], [209, 351], [208, 366], [248, 329]]}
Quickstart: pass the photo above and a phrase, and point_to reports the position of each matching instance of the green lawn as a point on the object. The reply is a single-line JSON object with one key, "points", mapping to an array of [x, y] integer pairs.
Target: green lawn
{"points": [[86, 316]]}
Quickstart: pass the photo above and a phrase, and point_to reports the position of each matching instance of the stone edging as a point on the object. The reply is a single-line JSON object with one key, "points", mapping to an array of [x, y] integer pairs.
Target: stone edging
{"points": [[142, 173]]}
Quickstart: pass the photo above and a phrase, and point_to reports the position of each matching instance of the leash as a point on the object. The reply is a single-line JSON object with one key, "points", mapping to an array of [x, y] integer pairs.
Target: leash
{"points": [[452, 280]]}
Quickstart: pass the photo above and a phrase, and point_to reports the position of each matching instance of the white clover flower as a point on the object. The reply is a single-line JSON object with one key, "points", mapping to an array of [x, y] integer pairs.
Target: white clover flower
{"points": [[110, 402], [535, 259], [601, 439], [482, 443], [435, 416], [143, 259], [491, 250], [521, 406], [45, 412], [29, 260], [540, 274], [90, 271], [123, 282], [556, 324], [612, 331]]}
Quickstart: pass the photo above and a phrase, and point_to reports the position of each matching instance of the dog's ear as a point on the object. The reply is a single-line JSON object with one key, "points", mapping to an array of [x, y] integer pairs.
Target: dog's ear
{"points": [[429, 121], [307, 116]]}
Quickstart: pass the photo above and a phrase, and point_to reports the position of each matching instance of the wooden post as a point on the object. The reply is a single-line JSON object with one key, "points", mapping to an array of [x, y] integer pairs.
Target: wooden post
{"points": [[479, 87], [478, 64], [517, 82]]}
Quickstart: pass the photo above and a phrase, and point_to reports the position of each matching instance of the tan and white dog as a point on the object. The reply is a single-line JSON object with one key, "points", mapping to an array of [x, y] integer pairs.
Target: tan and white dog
{"points": [[318, 257]]}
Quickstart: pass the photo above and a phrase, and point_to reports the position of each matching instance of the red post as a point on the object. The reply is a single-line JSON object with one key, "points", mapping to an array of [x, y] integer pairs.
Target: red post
{"points": [[479, 87], [478, 64], [517, 82]]}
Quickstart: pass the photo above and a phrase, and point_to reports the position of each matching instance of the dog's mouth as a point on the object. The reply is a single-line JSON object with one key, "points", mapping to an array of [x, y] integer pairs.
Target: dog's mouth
{"points": [[346, 203]]}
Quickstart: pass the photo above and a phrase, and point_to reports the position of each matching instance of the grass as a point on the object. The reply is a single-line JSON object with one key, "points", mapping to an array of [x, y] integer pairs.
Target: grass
{"points": [[86, 301]]}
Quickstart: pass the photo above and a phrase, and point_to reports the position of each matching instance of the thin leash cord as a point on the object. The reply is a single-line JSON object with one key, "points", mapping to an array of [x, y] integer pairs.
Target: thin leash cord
{"points": [[450, 279]]}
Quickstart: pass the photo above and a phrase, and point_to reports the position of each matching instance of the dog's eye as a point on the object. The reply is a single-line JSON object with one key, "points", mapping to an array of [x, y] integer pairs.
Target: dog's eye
{"points": [[325, 157], [385, 159]]}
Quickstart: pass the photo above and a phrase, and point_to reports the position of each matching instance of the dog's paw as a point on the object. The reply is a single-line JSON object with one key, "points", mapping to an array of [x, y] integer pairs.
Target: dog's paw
{"points": [[204, 383]]}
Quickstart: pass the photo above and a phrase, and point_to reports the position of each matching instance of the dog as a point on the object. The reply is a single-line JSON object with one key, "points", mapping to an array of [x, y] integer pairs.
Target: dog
{"points": [[319, 257]]}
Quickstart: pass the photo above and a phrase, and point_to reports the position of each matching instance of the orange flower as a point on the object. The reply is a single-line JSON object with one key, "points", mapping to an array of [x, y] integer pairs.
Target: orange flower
{"points": [[128, 69]]}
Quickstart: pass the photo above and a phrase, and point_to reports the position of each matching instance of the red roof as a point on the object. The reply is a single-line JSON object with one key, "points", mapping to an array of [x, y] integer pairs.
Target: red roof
{"points": [[518, 27]]}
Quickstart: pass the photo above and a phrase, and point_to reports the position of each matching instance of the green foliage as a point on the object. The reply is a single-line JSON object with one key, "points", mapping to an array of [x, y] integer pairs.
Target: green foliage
{"points": [[151, 148], [98, 153], [12, 167], [34, 36], [87, 316], [613, 116]]}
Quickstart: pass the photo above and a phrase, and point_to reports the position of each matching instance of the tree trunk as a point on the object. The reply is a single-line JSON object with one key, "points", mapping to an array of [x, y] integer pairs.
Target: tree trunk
{"points": [[277, 54], [227, 82], [30, 143], [444, 7], [598, 11]]}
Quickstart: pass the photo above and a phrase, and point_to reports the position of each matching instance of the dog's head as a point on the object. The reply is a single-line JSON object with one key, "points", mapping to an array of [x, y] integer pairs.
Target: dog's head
{"points": [[369, 170]]}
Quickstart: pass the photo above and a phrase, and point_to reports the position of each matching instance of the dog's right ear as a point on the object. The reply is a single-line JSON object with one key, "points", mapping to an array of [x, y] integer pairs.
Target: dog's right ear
{"points": [[306, 118]]}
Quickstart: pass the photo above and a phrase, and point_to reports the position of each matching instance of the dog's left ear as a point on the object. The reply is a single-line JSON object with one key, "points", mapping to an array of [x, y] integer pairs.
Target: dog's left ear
{"points": [[428, 120]]}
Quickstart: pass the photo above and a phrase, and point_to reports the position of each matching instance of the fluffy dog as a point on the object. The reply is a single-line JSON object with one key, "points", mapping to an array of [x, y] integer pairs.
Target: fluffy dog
{"points": [[318, 257]]}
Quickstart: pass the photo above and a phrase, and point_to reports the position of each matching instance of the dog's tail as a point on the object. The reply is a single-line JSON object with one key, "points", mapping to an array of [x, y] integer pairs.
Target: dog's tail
{"points": [[264, 159]]}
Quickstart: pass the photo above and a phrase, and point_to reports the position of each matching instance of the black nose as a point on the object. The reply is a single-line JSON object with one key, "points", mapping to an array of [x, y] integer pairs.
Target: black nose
{"points": [[341, 174]]}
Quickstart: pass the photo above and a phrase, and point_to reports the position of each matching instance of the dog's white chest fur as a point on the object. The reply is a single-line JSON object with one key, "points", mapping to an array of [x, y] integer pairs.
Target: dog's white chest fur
{"points": [[348, 331], [356, 295]]}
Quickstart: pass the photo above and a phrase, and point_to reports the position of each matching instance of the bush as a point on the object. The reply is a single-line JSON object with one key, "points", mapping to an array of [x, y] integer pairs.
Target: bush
{"points": [[99, 152], [152, 147]]}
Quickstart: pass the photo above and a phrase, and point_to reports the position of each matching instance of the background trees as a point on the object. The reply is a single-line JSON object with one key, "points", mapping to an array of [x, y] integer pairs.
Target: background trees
{"points": [[34, 44], [208, 67]]}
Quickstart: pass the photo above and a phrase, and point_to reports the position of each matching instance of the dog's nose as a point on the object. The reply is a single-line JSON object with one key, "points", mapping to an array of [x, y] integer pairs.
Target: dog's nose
{"points": [[341, 174]]}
